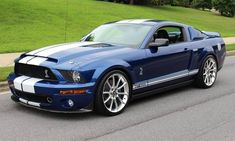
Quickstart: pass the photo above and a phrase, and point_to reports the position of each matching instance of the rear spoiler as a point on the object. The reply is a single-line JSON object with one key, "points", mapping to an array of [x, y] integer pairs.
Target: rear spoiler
{"points": [[211, 34]]}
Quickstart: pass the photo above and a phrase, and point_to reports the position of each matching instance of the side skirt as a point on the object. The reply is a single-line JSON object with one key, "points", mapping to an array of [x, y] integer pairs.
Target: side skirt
{"points": [[162, 89]]}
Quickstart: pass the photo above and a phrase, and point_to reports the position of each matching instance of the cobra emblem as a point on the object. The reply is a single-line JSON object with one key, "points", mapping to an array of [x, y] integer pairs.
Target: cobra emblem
{"points": [[46, 74], [141, 71]]}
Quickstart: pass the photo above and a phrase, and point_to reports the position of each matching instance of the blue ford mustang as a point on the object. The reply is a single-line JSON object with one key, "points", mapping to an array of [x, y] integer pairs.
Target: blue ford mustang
{"points": [[115, 63]]}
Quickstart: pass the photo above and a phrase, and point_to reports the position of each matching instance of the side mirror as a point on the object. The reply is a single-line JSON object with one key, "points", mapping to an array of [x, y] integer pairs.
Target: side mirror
{"points": [[159, 43]]}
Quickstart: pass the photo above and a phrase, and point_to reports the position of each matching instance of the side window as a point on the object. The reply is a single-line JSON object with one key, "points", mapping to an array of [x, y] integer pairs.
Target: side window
{"points": [[173, 34], [195, 34]]}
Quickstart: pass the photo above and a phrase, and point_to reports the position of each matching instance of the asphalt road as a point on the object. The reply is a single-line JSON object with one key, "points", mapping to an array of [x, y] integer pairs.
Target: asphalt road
{"points": [[184, 114]]}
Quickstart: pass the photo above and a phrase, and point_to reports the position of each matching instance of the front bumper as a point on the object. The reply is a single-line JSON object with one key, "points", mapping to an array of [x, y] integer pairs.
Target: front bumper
{"points": [[44, 95], [83, 110]]}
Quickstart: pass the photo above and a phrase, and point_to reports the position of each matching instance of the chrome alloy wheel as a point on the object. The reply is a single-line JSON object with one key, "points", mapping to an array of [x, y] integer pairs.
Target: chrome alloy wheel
{"points": [[115, 92], [210, 71]]}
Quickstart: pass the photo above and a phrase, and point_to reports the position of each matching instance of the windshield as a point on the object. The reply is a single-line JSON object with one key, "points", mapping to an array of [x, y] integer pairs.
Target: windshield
{"points": [[123, 34]]}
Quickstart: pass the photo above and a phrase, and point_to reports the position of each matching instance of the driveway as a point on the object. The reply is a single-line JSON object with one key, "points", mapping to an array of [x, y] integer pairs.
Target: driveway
{"points": [[184, 114]]}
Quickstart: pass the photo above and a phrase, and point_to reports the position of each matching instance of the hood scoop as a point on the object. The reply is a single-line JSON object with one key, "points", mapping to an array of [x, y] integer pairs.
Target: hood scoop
{"points": [[33, 59]]}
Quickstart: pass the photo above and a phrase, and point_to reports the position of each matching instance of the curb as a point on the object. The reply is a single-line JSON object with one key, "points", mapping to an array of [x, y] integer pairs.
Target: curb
{"points": [[230, 53], [4, 84]]}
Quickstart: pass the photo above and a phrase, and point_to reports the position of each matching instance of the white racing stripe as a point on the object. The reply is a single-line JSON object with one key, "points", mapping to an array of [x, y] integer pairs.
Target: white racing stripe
{"points": [[123, 21], [28, 85], [18, 81], [133, 21], [50, 51], [138, 21], [25, 59], [32, 60], [41, 49], [47, 51], [37, 61]]}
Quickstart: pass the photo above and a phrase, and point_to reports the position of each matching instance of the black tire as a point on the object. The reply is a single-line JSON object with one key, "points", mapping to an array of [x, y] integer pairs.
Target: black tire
{"points": [[199, 81], [99, 105]]}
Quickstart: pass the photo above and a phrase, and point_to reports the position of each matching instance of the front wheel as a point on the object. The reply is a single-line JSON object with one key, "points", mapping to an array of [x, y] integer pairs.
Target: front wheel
{"points": [[113, 93], [208, 73]]}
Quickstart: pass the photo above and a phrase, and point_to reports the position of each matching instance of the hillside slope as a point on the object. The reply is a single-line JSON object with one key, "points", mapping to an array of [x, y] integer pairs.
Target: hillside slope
{"points": [[29, 24]]}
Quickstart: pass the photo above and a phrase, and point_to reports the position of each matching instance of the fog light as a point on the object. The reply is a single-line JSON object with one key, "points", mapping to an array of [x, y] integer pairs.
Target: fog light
{"points": [[49, 100], [70, 103]]}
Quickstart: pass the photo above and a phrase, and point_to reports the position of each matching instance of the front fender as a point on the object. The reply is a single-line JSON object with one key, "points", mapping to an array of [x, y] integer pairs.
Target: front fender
{"points": [[109, 65]]}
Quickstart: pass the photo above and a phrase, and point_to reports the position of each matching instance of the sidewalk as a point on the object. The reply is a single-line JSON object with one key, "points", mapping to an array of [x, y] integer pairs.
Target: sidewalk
{"points": [[229, 40], [7, 59]]}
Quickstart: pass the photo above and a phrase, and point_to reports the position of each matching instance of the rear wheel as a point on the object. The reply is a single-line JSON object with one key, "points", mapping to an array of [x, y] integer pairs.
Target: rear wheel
{"points": [[208, 73], [113, 93]]}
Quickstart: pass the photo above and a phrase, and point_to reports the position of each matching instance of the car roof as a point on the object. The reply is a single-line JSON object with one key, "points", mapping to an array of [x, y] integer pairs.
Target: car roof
{"points": [[147, 22]]}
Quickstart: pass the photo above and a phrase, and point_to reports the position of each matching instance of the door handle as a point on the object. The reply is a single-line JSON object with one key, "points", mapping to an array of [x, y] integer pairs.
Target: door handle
{"points": [[185, 49]]}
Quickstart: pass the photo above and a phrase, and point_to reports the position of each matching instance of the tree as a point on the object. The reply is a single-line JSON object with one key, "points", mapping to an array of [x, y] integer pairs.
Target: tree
{"points": [[131, 1], [184, 3], [203, 4], [141, 2], [225, 7]]}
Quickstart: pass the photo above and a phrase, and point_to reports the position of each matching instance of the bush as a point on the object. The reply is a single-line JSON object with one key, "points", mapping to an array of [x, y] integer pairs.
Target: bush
{"points": [[225, 7]]}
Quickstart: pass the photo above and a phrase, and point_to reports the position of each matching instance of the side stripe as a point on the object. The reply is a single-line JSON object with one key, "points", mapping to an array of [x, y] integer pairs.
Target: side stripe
{"points": [[28, 85], [193, 72], [18, 81], [164, 78]]}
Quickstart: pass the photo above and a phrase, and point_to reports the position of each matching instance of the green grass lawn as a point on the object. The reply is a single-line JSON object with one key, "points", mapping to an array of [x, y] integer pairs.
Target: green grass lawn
{"points": [[4, 72], [29, 24], [230, 47]]}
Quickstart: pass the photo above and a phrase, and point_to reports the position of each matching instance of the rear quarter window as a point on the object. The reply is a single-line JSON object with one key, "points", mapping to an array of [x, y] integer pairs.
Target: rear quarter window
{"points": [[195, 34]]}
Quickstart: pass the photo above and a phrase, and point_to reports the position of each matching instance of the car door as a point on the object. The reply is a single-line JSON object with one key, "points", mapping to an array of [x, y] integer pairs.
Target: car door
{"points": [[169, 62]]}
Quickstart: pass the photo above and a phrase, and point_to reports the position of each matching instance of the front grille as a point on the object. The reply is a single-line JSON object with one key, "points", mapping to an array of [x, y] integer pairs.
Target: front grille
{"points": [[34, 71], [32, 97]]}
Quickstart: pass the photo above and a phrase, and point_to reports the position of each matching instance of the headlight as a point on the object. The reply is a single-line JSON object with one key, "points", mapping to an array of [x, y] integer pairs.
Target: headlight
{"points": [[72, 76], [76, 77]]}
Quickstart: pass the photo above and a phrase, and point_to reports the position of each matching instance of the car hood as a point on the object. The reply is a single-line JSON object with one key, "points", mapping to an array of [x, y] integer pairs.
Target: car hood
{"points": [[80, 52]]}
